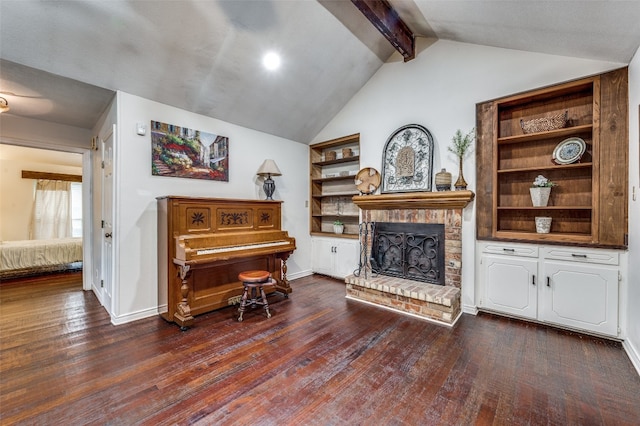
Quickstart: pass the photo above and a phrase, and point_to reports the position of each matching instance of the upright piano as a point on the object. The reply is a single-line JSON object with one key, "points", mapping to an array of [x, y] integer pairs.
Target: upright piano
{"points": [[204, 243]]}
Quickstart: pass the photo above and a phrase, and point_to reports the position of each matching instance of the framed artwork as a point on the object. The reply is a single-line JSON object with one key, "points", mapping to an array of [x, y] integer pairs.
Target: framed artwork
{"points": [[407, 161], [187, 153]]}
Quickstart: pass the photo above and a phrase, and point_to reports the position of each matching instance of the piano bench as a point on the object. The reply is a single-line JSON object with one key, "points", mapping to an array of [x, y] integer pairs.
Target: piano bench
{"points": [[254, 281]]}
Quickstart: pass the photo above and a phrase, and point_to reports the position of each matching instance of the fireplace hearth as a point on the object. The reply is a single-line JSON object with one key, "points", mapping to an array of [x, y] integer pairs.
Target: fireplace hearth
{"points": [[413, 251]]}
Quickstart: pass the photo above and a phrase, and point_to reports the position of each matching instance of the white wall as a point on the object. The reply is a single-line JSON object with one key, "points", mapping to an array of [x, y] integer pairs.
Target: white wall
{"points": [[137, 189], [17, 194], [439, 90], [43, 134], [632, 342]]}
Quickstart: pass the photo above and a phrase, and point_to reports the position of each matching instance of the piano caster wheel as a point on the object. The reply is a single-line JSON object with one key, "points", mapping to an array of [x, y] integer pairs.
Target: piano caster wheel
{"points": [[183, 328]]}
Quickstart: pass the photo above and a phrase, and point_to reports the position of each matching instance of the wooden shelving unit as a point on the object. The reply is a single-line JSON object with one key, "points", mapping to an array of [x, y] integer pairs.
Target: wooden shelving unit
{"points": [[589, 204], [333, 166]]}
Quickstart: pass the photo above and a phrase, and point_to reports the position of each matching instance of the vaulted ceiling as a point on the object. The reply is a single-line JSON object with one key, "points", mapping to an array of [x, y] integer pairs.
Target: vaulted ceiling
{"points": [[61, 61]]}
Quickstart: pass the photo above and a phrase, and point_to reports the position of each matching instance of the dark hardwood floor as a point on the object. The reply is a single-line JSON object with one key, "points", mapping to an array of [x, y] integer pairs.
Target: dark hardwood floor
{"points": [[320, 360]]}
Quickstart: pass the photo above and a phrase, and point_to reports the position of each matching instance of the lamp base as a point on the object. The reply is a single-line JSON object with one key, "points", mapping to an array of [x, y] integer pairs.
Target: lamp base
{"points": [[269, 187]]}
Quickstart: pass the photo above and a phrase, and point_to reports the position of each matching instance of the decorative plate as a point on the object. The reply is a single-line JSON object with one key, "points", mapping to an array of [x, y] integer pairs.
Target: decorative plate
{"points": [[408, 160], [569, 151], [367, 180]]}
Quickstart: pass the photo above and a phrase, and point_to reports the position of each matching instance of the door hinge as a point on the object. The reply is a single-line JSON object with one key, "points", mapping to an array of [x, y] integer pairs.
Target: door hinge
{"points": [[102, 224], [619, 277], [101, 283], [626, 239], [102, 164]]}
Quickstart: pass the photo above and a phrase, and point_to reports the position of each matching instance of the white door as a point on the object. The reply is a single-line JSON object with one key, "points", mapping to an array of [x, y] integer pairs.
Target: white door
{"points": [[510, 285], [580, 296], [347, 255], [107, 218], [322, 253]]}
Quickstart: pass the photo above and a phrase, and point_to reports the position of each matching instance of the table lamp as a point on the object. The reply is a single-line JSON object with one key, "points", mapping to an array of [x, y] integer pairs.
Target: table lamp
{"points": [[268, 169]]}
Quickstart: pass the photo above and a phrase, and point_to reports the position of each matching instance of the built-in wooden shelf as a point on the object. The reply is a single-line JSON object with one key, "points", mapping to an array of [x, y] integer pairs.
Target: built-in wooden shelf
{"points": [[415, 200]]}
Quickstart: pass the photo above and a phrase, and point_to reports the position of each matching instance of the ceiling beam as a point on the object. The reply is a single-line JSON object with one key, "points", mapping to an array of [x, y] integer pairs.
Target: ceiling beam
{"points": [[387, 21]]}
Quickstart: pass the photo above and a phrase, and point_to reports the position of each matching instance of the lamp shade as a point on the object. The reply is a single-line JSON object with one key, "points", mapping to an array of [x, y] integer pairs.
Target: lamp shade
{"points": [[269, 167]]}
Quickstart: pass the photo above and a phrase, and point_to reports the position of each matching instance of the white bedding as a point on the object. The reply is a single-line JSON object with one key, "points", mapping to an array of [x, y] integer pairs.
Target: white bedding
{"points": [[35, 253]]}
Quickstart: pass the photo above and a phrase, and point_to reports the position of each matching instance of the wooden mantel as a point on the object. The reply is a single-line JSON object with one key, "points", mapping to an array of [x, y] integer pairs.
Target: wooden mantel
{"points": [[415, 200]]}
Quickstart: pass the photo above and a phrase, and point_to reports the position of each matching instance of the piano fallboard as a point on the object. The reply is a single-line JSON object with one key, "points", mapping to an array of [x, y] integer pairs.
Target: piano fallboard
{"points": [[213, 247]]}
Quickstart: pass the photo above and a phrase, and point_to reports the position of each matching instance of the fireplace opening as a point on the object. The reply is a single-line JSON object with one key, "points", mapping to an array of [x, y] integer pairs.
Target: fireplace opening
{"points": [[413, 251]]}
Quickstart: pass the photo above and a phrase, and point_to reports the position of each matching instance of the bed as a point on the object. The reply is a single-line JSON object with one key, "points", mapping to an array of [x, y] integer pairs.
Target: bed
{"points": [[29, 257]]}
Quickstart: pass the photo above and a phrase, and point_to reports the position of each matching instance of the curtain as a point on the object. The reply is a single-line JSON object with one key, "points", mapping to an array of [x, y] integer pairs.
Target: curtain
{"points": [[51, 216]]}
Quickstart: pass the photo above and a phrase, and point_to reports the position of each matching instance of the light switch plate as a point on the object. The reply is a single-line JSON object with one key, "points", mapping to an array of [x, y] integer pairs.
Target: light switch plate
{"points": [[141, 129]]}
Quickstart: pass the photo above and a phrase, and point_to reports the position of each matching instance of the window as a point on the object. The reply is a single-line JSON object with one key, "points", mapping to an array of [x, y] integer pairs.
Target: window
{"points": [[76, 209]]}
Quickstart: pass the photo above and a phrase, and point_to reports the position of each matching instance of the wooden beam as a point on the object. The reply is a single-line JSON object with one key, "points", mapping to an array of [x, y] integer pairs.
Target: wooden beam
{"points": [[386, 20], [28, 174]]}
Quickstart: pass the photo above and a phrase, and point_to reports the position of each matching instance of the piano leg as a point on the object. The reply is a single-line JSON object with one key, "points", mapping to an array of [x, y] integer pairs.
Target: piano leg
{"points": [[183, 315], [283, 286]]}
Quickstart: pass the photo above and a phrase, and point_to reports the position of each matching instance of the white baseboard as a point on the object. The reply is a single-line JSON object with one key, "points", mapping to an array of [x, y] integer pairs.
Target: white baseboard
{"points": [[300, 274], [134, 316], [633, 353], [470, 309]]}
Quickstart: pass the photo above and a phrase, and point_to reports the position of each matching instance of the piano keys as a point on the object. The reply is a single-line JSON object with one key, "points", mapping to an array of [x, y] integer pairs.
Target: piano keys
{"points": [[204, 243]]}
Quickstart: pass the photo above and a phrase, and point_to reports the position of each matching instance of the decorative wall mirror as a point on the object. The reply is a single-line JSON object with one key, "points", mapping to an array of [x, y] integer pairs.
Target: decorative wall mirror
{"points": [[407, 162]]}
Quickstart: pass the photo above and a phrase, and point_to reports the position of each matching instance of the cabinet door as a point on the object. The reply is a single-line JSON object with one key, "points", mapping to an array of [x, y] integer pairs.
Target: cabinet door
{"points": [[346, 258], [510, 285], [322, 256], [581, 296]]}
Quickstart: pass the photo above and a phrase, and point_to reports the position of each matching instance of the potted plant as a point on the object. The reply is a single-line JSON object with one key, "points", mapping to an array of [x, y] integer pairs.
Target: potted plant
{"points": [[460, 144], [540, 191], [338, 226]]}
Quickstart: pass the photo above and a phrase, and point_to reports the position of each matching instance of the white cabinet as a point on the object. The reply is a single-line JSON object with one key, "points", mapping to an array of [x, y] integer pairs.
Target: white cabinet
{"points": [[579, 295], [511, 285], [335, 257], [570, 287]]}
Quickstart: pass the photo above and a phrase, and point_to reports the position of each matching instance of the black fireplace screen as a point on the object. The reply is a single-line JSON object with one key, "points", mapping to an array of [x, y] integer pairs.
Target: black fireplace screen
{"points": [[413, 251]]}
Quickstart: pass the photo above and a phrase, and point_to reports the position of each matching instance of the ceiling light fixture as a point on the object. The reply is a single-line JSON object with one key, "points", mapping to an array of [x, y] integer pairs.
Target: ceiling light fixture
{"points": [[271, 61], [4, 105]]}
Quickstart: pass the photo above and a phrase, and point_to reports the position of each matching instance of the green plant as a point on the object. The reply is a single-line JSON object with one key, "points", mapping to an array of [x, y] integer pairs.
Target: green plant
{"points": [[337, 222], [461, 143]]}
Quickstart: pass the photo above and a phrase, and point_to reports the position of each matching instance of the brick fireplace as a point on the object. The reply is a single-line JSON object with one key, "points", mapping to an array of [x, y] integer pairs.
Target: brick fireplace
{"points": [[430, 301]]}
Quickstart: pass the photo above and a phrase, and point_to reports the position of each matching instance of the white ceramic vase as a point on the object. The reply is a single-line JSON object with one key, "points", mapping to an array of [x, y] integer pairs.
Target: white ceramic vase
{"points": [[543, 224], [540, 196], [338, 229]]}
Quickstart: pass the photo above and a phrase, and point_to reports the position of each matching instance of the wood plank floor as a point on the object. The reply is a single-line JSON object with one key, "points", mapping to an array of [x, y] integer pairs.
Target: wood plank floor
{"points": [[320, 360]]}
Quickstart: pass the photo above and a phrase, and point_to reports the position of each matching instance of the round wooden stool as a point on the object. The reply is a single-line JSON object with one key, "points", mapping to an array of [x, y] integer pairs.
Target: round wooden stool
{"points": [[254, 280]]}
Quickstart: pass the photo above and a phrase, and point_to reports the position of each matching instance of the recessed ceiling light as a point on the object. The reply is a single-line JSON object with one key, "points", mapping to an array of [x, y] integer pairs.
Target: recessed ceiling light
{"points": [[271, 61]]}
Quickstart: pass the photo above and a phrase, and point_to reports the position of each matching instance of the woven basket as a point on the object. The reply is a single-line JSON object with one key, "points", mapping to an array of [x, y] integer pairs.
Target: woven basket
{"points": [[545, 124]]}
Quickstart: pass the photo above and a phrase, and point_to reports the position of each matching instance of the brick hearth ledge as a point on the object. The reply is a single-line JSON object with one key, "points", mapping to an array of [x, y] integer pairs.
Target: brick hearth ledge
{"points": [[432, 302]]}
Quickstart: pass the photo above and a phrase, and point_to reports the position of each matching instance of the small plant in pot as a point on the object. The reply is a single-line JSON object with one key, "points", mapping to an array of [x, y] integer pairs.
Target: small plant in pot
{"points": [[338, 227], [540, 191], [460, 145]]}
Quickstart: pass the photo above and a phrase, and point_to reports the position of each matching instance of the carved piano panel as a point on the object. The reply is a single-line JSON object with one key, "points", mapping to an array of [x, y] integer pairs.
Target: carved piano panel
{"points": [[204, 243]]}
